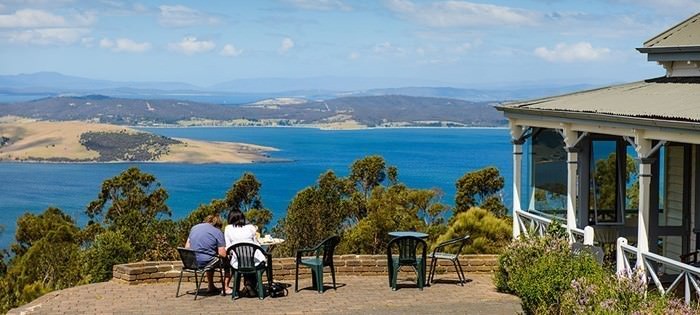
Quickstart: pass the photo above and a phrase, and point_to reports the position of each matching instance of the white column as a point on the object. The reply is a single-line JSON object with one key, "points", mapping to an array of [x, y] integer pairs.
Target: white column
{"points": [[516, 133], [570, 138], [643, 150]]}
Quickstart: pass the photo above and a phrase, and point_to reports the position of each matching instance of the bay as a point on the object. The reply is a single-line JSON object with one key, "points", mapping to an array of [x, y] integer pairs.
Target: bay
{"points": [[425, 158]]}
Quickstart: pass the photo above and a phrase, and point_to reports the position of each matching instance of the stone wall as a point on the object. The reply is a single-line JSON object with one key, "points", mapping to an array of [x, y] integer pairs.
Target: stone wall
{"points": [[283, 268]]}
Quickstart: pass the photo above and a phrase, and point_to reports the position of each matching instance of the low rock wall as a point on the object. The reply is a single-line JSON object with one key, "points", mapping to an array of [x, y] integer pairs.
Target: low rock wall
{"points": [[283, 268]]}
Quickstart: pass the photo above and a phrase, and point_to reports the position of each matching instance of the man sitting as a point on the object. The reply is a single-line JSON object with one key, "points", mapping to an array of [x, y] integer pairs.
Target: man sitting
{"points": [[207, 240]]}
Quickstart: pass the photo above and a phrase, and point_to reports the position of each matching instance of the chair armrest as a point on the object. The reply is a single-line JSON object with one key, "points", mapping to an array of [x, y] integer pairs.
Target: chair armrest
{"points": [[450, 242], [300, 252]]}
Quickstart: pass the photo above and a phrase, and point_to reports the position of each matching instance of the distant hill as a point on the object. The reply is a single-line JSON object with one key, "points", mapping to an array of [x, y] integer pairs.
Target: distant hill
{"points": [[386, 110], [241, 91]]}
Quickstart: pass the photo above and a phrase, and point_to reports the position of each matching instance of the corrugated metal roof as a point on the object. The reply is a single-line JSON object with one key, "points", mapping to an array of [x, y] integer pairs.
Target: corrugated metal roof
{"points": [[686, 33], [662, 98]]}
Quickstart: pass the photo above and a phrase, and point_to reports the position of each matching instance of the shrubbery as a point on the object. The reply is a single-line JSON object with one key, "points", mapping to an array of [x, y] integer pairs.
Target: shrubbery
{"points": [[550, 279]]}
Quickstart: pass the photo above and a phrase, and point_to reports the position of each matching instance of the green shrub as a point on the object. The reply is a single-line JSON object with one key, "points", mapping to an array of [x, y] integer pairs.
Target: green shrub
{"points": [[549, 279], [488, 233], [540, 269], [109, 248]]}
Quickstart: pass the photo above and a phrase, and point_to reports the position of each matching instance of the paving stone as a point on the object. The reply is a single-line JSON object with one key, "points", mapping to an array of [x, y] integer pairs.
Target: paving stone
{"points": [[354, 295]]}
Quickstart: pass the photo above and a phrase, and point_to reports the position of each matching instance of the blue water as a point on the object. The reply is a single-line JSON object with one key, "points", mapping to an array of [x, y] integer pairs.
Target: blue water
{"points": [[426, 158]]}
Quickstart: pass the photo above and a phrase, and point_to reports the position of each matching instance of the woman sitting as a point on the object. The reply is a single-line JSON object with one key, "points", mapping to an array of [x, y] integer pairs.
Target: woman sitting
{"points": [[237, 231]]}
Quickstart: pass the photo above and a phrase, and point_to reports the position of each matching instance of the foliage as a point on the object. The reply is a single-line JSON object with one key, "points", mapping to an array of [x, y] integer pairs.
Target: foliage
{"points": [[488, 234], [550, 279], [363, 207], [391, 208], [126, 146], [109, 248], [315, 213], [480, 188], [47, 257], [132, 203]]}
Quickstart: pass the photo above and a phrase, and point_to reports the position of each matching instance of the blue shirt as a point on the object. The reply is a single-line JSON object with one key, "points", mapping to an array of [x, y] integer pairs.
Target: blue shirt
{"points": [[206, 239]]}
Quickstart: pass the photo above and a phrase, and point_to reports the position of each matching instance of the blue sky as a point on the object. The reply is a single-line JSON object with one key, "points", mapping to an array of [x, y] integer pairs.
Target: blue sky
{"points": [[457, 43]]}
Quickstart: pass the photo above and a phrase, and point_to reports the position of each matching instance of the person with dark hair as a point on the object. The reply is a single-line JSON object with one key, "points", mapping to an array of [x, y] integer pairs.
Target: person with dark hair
{"points": [[239, 231], [207, 240]]}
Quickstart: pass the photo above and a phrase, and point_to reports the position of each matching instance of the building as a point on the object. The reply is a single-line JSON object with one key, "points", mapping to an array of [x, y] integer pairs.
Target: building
{"points": [[624, 160]]}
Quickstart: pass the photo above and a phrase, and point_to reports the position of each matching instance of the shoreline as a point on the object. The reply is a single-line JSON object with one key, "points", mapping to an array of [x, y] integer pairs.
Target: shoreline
{"points": [[174, 126]]}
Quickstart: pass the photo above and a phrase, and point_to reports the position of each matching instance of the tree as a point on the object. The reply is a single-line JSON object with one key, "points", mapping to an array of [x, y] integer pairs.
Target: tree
{"points": [[315, 213], [368, 173], [478, 188], [133, 204], [392, 208], [47, 257], [244, 196]]}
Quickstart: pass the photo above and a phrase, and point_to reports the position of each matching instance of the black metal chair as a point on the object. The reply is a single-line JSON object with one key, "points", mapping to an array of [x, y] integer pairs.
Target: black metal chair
{"points": [[440, 252], [189, 264], [245, 257], [407, 247], [317, 263]]}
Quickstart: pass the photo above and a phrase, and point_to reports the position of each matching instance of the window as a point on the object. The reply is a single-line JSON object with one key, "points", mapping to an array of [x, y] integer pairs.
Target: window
{"points": [[548, 173], [604, 193]]}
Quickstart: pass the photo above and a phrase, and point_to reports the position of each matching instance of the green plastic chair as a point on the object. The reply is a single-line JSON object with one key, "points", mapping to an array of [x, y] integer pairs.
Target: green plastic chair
{"points": [[245, 255], [317, 263], [407, 256]]}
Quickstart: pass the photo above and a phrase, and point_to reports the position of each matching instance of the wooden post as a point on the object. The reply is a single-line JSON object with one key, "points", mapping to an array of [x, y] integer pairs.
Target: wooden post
{"points": [[643, 148], [570, 140], [516, 134]]}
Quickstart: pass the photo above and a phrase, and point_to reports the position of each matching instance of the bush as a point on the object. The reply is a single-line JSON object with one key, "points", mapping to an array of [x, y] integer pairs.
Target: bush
{"points": [[488, 234], [540, 269], [108, 249], [549, 279]]}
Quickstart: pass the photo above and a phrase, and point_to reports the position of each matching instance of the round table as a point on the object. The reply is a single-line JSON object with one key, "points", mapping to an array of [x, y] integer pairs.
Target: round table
{"points": [[408, 233]]}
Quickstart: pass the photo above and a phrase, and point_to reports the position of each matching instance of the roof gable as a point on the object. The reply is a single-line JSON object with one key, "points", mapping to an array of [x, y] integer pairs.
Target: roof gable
{"points": [[686, 33]]}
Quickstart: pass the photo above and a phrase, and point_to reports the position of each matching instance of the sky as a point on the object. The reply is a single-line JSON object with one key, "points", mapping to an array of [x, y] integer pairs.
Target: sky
{"points": [[447, 43]]}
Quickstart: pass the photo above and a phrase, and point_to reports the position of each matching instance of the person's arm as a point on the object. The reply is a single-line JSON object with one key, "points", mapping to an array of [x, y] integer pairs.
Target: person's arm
{"points": [[187, 244], [222, 251]]}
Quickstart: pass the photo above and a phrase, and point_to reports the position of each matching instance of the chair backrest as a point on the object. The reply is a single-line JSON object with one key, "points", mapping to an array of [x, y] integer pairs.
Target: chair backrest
{"points": [[462, 242], [328, 246], [408, 248], [245, 255], [188, 257]]}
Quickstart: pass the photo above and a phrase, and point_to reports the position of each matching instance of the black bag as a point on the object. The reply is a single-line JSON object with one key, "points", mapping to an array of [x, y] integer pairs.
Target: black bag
{"points": [[276, 290]]}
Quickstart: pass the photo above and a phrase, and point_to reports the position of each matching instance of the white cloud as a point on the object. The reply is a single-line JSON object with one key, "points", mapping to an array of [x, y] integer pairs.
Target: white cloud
{"points": [[230, 51], [182, 16], [191, 45], [46, 36], [562, 52], [462, 14], [124, 45], [27, 18], [354, 55], [321, 5], [386, 48], [40, 27], [286, 45]]}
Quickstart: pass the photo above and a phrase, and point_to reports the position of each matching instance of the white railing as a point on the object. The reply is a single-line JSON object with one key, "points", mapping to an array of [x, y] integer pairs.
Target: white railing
{"points": [[538, 224], [654, 266]]}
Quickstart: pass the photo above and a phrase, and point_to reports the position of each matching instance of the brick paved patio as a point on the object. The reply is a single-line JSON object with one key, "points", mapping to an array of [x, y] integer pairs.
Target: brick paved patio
{"points": [[355, 294]]}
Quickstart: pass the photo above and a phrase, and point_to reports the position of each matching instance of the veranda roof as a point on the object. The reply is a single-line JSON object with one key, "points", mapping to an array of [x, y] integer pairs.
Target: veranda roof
{"points": [[671, 99]]}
